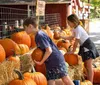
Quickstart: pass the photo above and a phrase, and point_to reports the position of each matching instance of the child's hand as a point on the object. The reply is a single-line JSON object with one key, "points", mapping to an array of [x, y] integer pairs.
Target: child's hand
{"points": [[38, 62]]}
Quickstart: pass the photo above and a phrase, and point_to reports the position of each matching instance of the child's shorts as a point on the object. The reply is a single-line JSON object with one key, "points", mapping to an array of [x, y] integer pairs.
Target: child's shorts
{"points": [[57, 72], [87, 55]]}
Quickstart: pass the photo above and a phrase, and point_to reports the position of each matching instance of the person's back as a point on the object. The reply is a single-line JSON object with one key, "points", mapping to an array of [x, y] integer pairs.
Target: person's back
{"points": [[56, 56]]}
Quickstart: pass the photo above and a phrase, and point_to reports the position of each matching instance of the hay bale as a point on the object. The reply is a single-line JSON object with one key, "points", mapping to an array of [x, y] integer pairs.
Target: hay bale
{"points": [[26, 61], [6, 71], [76, 72]]}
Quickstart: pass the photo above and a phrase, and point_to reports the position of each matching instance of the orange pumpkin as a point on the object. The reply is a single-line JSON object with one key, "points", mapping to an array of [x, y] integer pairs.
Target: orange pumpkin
{"points": [[32, 36], [38, 77], [49, 32], [56, 35], [37, 55], [71, 59], [2, 54], [9, 45], [23, 48], [14, 57], [63, 43], [21, 38], [96, 78], [22, 80]]}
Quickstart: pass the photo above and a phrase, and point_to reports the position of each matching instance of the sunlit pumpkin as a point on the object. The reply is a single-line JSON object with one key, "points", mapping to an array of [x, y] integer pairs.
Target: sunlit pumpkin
{"points": [[86, 82], [22, 80], [37, 55], [71, 59], [32, 36], [21, 38], [56, 35], [9, 45], [2, 54], [63, 43], [23, 48], [38, 77]]}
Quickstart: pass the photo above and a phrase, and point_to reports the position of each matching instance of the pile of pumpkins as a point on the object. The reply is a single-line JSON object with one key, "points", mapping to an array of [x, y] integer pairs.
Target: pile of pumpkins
{"points": [[21, 42], [29, 78], [18, 44]]}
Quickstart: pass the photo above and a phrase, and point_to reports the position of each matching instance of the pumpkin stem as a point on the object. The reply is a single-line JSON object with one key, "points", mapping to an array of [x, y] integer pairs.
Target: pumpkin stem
{"points": [[94, 65], [13, 52], [83, 79], [21, 77], [32, 70], [64, 41], [69, 48]]}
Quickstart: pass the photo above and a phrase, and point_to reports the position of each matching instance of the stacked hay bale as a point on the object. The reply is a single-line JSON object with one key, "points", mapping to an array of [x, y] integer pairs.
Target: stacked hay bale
{"points": [[6, 71]]}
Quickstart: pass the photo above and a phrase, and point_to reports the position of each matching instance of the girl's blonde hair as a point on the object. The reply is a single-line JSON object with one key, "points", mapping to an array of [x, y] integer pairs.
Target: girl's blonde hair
{"points": [[74, 19]]}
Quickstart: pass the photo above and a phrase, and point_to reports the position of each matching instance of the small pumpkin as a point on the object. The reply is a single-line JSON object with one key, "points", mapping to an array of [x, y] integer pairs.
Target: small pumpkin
{"points": [[71, 59], [38, 77], [22, 80], [37, 55], [9, 45], [2, 54], [56, 35], [23, 48], [14, 57], [21, 38], [85, 82], [63, 43], [49, 32]]}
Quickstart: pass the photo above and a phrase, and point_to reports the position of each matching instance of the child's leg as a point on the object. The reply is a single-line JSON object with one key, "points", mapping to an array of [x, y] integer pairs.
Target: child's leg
{"points": [[67, 80], [89, 68], [51, 82]]}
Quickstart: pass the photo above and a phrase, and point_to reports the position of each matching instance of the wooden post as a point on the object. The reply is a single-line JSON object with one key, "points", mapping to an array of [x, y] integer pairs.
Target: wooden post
{"points": [[37, 17]]}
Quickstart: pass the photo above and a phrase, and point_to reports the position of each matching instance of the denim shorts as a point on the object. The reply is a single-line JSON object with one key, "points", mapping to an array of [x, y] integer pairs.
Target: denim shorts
{"points": [[57, 72]]}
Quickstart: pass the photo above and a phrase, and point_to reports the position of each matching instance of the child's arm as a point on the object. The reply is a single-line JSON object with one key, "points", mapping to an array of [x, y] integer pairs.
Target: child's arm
{"points": [[75, 45], [46, 55], [67, 38]]}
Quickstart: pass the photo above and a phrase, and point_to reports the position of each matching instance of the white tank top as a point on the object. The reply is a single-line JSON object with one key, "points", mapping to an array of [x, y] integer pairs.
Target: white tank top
{"points": [[80, 34]]}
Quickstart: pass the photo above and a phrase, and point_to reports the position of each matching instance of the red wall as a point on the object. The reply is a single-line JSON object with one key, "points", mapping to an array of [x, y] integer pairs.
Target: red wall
{"points": [[58, 8]]}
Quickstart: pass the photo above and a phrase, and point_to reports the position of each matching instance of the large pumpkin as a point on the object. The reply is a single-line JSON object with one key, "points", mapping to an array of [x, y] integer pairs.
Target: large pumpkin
{"points": [[22, 80], [2, 54], [32, 36], [71, 59], [9, 45], [63, 43], [23, 48], [37, 55], [38, 77], [21, 38]]}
